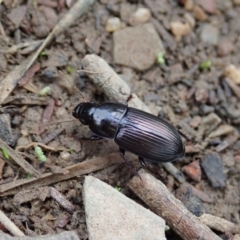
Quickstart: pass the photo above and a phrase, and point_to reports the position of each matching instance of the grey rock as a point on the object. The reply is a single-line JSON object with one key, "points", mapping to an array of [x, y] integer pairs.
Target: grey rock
{"points": [[137, 47], [213, 167], [209, 34], [111, 215]]}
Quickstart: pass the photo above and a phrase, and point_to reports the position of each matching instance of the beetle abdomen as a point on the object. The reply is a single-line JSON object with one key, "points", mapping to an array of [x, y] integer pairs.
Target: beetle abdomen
{"points": [[149, 137]]}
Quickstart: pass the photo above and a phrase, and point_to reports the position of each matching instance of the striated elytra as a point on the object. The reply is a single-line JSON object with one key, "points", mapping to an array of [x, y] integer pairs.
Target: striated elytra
{"points": [[133, 130]]}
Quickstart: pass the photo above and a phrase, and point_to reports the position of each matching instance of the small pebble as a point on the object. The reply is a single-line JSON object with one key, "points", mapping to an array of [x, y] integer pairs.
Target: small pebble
{"points": [[24, 132], [192, 202], [8, 172], [195, 121], [237, 159], [233, 73], [188, 4], [199, 14], [211, 119], [190, 19], [193, 170], [49, 74], [205, 109], [228, 159], [221, 130], [113, 24], [209, 34], [213, 168], [201, 95], [208, 5], [142, 15], [225, 47], [65, 155], [180, 29]]}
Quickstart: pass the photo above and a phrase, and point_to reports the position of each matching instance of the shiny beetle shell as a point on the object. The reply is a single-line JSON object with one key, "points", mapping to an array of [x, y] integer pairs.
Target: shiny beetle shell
{"points": [[133, 130]]}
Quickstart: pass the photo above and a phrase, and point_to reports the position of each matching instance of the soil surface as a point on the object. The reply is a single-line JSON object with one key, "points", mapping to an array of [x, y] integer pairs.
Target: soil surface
{"points": [[194, 84]]}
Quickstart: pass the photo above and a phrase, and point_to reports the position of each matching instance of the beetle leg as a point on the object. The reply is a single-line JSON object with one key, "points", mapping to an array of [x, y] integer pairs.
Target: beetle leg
{"points": [[122, 152], [142, 162]]}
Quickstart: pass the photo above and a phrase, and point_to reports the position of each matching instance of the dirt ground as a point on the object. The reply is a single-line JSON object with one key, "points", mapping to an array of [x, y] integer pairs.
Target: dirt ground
{"points": [[191, 84]]}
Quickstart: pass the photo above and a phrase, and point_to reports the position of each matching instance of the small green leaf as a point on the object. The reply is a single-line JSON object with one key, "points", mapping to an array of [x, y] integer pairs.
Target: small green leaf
{"points": [[39, 154], [205, 65], [5, 153], [29, 175], [45, 91], [42, 158], [118, 188], [160, 58], [167, 228], [43, 53], [70, 69], [71, 150]]}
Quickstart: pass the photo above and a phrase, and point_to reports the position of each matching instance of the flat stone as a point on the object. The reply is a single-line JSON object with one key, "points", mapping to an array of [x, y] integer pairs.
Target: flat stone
{"points": [[137, 47], [209, 34], [111, 215], [213, 167]]}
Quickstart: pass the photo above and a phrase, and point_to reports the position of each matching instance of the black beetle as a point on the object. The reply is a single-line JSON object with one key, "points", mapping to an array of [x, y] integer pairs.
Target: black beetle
{"points": [[136, 131]]}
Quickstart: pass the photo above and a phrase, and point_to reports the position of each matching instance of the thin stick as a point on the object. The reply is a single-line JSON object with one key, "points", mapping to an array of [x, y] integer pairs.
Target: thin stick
{"points": [[88, 166], [106, 78], [155, 194], [10, 226]]}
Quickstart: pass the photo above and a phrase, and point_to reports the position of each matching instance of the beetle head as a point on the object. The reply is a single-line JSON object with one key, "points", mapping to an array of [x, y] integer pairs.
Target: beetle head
{"points": [[83, 112]]}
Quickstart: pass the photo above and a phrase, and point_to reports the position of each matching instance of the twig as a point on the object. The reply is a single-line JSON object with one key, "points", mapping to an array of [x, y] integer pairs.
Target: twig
{"points": [[155, 194], [116, 89], [13, 49], [10, 226], [88, 166], [219, 224], [19, 159], [106, 78], [29, 74], [10, 81]]}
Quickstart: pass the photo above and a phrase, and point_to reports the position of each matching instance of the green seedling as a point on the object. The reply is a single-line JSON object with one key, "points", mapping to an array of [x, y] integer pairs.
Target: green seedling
{"points": [[118, 188], [39, 154], [70, 69], [29, 176], [45, 91], [43, 53], [205, 65], [167, 228], [160, 58], [5, 153], [71, 150]]}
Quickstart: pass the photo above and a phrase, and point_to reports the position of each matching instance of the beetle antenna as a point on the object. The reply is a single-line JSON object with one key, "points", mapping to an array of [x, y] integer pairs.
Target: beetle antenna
{"points": [[67, 78]]}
